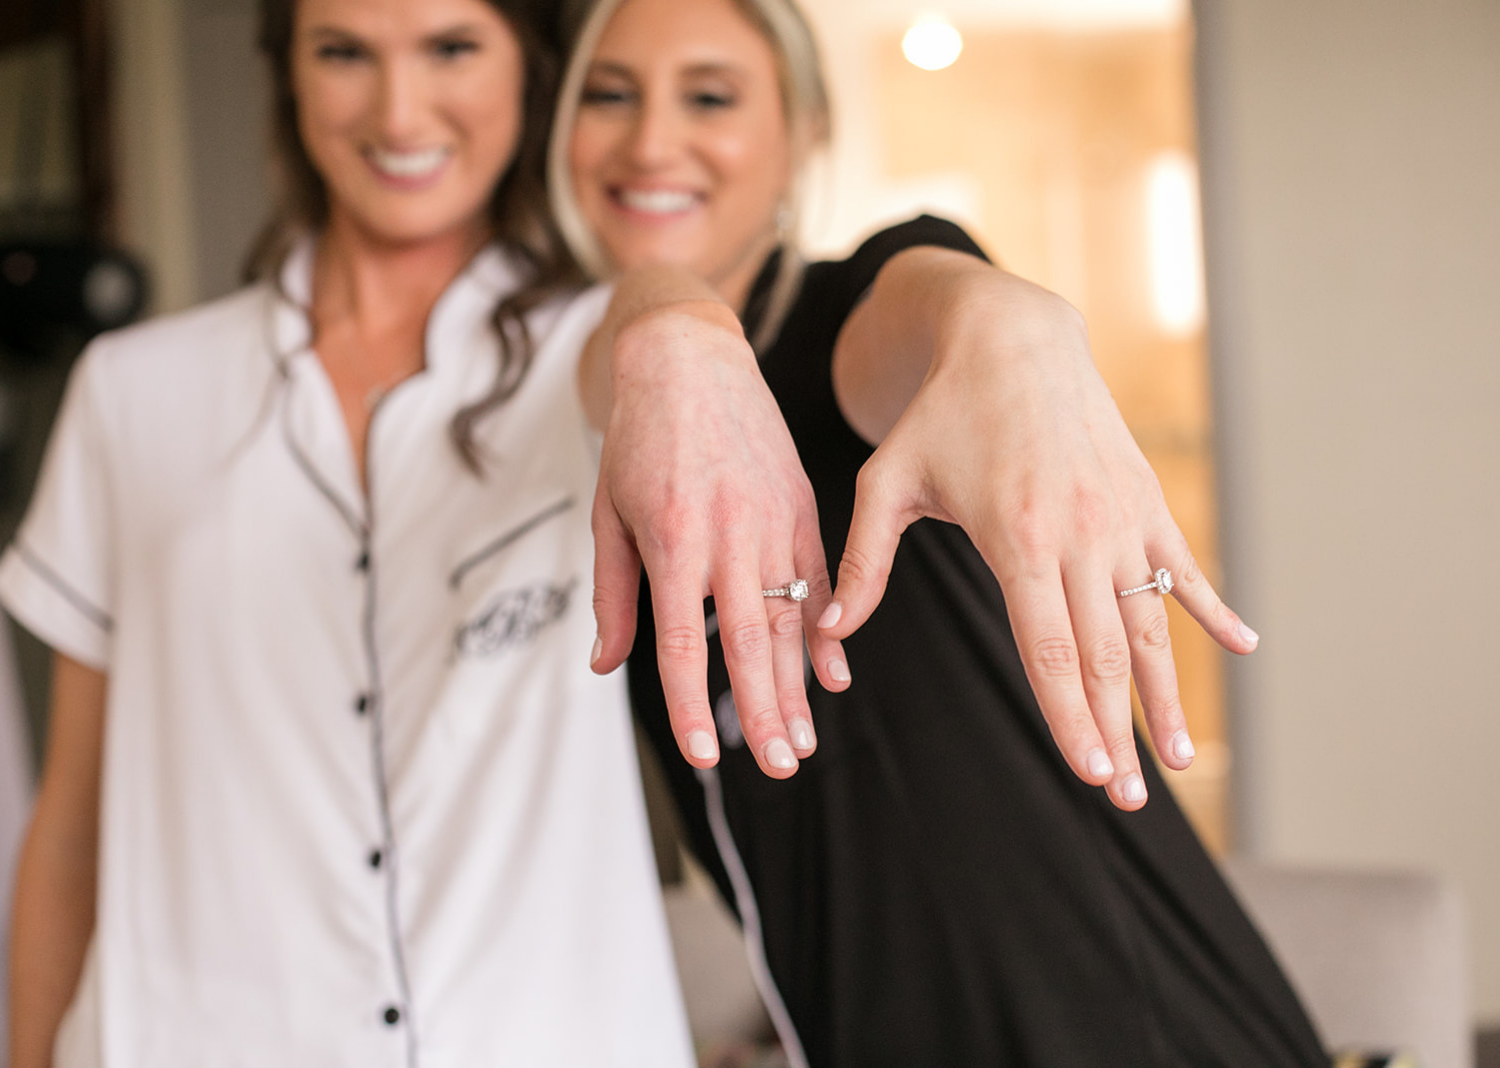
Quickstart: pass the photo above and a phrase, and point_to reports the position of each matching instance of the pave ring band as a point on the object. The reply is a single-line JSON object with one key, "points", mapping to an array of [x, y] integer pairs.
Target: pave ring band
{"points": [[796, 590], [1163, 583]]}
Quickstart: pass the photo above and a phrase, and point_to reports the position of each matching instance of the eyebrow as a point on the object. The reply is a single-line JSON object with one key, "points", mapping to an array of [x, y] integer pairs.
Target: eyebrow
{"points": [[605, 66], [461, 29]]}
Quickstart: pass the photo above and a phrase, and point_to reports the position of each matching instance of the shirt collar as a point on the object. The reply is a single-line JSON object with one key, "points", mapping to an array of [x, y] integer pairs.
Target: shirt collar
{"points": [[461, 312]]}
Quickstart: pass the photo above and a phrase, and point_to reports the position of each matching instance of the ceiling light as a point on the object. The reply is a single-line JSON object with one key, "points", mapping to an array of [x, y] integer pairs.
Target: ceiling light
{"points": [[932, 43]]}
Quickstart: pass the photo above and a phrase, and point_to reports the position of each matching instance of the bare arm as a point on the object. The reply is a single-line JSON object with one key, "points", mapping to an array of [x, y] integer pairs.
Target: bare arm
{"points": [[53, 917]]}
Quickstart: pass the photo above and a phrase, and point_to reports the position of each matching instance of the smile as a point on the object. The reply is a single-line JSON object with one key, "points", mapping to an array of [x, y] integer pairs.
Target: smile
{"points": [[408, 166], [657, 201]]}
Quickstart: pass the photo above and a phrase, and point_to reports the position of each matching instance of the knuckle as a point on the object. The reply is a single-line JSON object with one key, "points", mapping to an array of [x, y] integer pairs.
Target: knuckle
{"points": [[760, 722], [1030, 529], [1121, 746], [1154, 633], [1071, 731], [1092, 514], [1166, 712], [859, 565], [1188, 572], [669, 532], [1109, 660], [1055, 656], [746, 642], [680, 644], [785, 622]]}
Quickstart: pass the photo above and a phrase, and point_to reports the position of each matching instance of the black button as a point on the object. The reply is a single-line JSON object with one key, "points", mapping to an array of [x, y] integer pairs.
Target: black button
{"points": [[363, 563], [375, 858], [392, 1015], [362, 703]]}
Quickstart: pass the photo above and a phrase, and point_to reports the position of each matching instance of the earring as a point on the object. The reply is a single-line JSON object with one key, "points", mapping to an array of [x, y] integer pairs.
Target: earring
{"points": [[785, 220]]}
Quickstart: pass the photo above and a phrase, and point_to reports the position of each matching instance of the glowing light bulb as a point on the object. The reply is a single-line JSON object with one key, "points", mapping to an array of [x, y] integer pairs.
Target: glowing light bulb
{"points": [[932, 43]]}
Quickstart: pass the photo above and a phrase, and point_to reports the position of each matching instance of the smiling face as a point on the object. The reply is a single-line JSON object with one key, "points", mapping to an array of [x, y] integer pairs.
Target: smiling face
{"points": [[681, 151], [410, 111]]}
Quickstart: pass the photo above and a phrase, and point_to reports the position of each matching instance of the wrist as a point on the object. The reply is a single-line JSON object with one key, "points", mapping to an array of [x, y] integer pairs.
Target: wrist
{"points": [[680, 329], [1005, 313]]}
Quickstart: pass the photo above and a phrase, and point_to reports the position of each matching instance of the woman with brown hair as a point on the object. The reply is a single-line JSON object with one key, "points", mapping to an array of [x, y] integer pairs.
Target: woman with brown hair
{"points": [[329, 781]]}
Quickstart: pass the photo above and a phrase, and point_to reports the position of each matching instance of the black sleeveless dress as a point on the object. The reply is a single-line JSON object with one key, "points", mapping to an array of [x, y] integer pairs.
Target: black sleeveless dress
{"points": [[935, 886]]}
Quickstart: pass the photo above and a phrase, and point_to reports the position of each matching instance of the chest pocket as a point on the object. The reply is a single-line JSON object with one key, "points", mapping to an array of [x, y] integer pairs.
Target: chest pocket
{"points": [[517, 583]]}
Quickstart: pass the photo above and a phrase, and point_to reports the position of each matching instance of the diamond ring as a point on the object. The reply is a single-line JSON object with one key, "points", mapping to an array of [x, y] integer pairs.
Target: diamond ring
{"points": [[796, 590], [1163, 583]]}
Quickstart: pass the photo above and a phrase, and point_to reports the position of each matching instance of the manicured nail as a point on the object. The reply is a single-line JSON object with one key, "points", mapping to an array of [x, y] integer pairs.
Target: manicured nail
{"points": [[779, 755], [802, 734], [1182, 746], [701, 745], [831, 615], [1134, 789], [838, 671], [597, 653], [1100, 764], [1249, 635]]}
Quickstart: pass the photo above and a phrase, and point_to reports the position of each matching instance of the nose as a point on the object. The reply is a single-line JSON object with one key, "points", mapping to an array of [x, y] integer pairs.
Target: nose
{"points": [[658, 133], [403, 101]]}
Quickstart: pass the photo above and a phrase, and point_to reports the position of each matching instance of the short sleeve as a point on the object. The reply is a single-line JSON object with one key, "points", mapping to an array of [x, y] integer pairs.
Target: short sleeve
{"points": [[857, 273], [57, 577]]}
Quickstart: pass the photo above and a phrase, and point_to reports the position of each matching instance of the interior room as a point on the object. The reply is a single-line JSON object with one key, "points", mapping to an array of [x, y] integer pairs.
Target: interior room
{"points": [[1280, 223]]}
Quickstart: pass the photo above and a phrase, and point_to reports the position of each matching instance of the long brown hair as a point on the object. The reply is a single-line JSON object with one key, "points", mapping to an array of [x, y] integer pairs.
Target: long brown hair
{"points": [[519, 217]]}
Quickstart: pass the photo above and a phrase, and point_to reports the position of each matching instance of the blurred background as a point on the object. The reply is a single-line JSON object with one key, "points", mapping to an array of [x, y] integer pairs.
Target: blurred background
{"points": [[1281, 220]]}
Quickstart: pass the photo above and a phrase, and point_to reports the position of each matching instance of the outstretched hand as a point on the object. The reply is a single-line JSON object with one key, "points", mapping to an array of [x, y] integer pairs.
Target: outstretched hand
{"points": [[700, 483], [1013, 435]]}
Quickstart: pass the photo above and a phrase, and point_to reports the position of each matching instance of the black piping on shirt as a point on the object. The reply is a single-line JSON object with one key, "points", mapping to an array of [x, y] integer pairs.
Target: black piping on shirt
{"points": [[95, 615], [376, 719], [478, 557]]}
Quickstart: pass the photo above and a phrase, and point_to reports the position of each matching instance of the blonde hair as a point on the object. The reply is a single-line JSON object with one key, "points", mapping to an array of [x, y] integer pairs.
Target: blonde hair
{"points": [[804, 97]]}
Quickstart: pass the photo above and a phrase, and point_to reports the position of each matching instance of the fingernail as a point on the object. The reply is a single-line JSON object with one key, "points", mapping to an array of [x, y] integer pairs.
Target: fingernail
{"points": [[779, 755], [1249, 635], [597, 653], [838, 671], [802, 734], [831, 615], [1100, 764], [1134, 789], [701, 745], [1182, 746]]}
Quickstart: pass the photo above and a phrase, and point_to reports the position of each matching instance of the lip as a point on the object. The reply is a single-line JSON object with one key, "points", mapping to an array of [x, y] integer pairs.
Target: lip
{"points": [[408, 169], [655, 204]]}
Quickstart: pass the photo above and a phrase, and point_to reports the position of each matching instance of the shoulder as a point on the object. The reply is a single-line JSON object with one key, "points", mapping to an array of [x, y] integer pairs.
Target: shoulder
{"points": [[236, 325], [834, 287], [193, 368]]}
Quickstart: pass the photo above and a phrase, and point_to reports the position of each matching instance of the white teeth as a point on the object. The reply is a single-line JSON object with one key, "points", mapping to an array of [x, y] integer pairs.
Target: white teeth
{"points": [[657, 201], [409, 164]]}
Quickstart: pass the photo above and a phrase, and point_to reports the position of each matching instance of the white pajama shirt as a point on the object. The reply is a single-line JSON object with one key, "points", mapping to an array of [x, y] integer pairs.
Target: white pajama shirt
{"points": [[364, 804]]}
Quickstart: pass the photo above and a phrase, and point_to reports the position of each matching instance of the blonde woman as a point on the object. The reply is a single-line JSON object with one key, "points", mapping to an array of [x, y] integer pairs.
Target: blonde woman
{"points": [[944, 882]]}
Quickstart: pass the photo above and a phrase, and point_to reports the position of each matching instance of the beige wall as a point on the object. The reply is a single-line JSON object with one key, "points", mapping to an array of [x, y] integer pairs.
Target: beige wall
{"points": [[1351, 183], [151, 138]]}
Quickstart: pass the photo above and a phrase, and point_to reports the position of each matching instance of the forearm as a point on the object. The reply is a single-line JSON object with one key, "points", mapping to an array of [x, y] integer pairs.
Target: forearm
{"points": [[927, 302], [643, 298], [52, 921]]}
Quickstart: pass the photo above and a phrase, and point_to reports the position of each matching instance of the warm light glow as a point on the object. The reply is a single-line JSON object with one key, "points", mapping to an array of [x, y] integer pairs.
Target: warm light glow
{"points": [[1176, 244], [932, 43]]}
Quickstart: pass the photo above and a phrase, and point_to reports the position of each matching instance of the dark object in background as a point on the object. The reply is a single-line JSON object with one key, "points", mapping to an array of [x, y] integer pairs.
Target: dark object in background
{"points": [[51, 288]]}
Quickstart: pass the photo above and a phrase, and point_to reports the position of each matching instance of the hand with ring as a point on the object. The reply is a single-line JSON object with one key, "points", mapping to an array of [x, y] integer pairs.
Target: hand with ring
{"points": [[980, 392], [700, 483]]}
